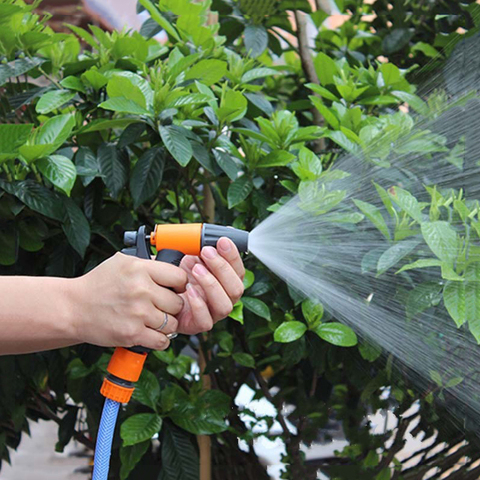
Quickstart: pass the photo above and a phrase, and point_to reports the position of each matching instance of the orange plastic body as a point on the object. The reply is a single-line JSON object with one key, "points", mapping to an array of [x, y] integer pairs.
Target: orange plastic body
{"points": [[116, 392], [126, 365], [186, 238]]}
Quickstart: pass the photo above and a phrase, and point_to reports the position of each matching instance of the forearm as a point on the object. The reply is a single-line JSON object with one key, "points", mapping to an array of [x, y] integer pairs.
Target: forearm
{"points": [[36, 313]]}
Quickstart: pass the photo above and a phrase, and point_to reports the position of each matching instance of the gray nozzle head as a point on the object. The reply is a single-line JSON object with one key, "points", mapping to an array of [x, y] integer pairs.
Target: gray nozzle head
{"points": [[130, 239], [212, 233]]}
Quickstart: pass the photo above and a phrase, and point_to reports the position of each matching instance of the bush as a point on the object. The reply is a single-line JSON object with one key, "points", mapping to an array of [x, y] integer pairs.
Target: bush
{"points": [[104, 131]]}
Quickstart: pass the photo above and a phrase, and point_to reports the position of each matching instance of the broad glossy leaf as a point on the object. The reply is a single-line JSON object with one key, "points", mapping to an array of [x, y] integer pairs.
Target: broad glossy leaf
{"points": [[454, 300], [257, 73], [147, 390], [407, 202], [18, 67], [36, 197], [226, 163], [442, 240], [76, 227], [277, 158], [139, 428], [244, 359], [394, 254], [124, 105], [59, 170], [207, 71], [179, 456], [12, 136], [258, 307], [114, 167], [256, 40], [374, 215], [337, 334], [51, 101], [237, 312], [130, 456], [326, 69], [239, 190], [289, 332], [177, 144], [147, 175]]}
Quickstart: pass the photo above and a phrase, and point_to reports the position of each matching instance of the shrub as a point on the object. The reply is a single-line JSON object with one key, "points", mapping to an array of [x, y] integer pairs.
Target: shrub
{"points": [[104, 131]]}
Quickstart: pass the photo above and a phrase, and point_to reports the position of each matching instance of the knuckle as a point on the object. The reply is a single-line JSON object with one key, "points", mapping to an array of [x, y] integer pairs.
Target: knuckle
{"points": [[238, 291], [162, 343], [225, 310], [131, 334]]}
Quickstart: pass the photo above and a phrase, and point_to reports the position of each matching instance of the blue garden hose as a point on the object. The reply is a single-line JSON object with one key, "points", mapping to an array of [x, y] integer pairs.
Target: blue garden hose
{"points": [[103, 448]]}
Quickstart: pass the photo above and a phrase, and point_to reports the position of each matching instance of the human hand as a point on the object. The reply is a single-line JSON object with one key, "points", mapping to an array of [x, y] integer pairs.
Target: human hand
{"points": [[215, 285], [122, 302]]}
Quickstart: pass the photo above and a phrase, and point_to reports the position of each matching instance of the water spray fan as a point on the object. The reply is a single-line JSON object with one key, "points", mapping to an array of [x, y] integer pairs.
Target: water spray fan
{"points": [[172, 243]]}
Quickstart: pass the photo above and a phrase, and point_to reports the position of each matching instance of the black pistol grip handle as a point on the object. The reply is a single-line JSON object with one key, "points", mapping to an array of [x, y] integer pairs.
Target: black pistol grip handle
{"points": [[174, 257]]}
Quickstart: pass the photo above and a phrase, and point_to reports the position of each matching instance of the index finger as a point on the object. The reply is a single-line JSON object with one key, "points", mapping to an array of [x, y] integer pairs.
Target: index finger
{"points": [[167, 275], [229, 251]]}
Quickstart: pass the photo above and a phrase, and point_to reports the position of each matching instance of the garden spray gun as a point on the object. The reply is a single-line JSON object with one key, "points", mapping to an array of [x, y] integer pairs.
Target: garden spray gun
{"points": [[172, 243]]}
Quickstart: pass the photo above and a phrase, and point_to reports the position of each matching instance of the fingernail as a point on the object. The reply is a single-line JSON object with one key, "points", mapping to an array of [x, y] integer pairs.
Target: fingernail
{"points": [[200, 269], [225, 244], [192, 292], [209, 252]]}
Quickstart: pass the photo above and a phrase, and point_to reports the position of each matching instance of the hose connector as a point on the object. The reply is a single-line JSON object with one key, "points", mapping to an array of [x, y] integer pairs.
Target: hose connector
{"points": [[124, 370]]}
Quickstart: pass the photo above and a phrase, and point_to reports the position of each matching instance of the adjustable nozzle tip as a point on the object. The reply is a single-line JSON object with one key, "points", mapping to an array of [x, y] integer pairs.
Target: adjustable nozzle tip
{"points": [[212, 233]]}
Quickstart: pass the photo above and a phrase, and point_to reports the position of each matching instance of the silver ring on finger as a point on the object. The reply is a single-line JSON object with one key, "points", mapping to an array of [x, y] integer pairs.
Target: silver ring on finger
{"points": [[164, 324], [172, 336]]}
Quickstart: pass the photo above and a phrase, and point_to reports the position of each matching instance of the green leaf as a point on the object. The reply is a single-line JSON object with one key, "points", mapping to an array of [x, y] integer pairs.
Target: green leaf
{"points": [[147, 175], [130, 456], [256, 40], [249, 279], [257, 73], [239, 190], [207, 72], [179, 456], [18, 67], [308, 166], [472, 299], [55, 131], [277, 158], [156, 15], [180, 366], [442, 240], [73, 83], [86, 161], [422, 297], [51, 101], [95, 79], [121, 86], [427, 49], [244, 359], [59, 170], [407, 202], [312, 312], [394, 254], [13, 136], [337, 334], [423, 263], [374, 215], [257, 307], [114, 167], [394, 41], [237, 312], [8, 247], [326, 69], [288, 332], [147, 390], [326, 113], [124, 105], [226, 163], [436, 377], [232, 108], [453, 382], [323, 92], [413, 101], [139, 428], [385, 199], [76, 227], [36, 197], [177, 144]]}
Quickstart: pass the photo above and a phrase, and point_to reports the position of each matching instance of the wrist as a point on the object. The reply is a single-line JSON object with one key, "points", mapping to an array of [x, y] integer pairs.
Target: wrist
{"points": [[73, 308]]}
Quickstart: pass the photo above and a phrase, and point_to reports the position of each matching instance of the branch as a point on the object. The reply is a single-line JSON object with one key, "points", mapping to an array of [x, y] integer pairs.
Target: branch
{"points": [[308, 68], [263, 385], [80, 437]]}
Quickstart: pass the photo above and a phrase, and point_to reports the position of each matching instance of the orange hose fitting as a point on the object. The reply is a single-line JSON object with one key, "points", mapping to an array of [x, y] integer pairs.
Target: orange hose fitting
{"points": [[186, 238], [126, 365], [116, 392]]}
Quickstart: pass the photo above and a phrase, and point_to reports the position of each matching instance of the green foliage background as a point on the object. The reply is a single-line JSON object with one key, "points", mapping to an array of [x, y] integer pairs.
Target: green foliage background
{"points": [[102, 132]]}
